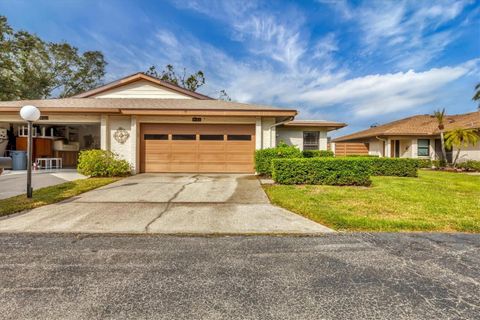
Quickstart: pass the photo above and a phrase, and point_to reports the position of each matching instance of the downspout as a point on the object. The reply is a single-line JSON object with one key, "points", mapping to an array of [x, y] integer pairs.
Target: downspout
{"points": [[278, 124], [384, 140]]}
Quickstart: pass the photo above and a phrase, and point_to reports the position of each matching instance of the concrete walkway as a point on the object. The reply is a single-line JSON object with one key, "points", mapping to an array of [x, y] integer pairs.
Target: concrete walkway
{"points": [[168, 204], [14, 183]]}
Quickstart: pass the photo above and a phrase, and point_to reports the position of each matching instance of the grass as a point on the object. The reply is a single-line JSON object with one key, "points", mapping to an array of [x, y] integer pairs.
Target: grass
{"points": [[48, 195], [435, 201]]}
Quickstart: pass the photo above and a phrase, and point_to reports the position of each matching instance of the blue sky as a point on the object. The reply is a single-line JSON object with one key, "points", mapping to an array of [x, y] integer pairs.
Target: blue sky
{"points": [[361, 62]]}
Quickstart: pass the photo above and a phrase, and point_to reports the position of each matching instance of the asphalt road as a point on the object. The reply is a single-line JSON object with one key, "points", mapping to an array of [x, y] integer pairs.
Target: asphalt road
{"points": [[340, 276]]}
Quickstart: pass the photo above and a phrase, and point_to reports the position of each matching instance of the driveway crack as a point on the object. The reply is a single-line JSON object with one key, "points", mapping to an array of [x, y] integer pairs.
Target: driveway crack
{"points": [[169, 202]]}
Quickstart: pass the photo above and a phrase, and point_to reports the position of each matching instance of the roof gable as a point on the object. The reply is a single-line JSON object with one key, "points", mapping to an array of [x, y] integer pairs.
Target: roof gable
{"points": [[140, 85]]}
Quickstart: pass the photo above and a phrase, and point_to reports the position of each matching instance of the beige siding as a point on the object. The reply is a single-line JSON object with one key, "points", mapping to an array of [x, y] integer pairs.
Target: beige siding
{"points": [[141, 89], [54, 118], [375, 147], [188, 119]]}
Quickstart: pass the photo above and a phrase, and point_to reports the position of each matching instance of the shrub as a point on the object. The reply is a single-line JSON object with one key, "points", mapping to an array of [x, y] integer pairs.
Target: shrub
{"points": [[330, 171], [424, 163], [263, 158], [470, 165], [317, 153], [394, 167], [102, 163], [362, 156]]}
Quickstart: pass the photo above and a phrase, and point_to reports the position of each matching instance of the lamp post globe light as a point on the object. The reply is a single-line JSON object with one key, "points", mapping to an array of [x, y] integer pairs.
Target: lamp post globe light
{"points": [[29, 114]]}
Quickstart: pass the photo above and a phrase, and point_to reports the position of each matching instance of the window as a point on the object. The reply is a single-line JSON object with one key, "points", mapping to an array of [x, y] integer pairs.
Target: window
{"points": [[310, 140], [184, 137], [423, 147], [155, 136], [211, 137], [239, 137]]}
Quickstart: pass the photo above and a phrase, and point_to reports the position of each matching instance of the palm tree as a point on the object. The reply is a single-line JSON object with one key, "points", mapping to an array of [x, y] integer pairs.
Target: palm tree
{"points": [[440, 115], [476, 96], [460, 138]]}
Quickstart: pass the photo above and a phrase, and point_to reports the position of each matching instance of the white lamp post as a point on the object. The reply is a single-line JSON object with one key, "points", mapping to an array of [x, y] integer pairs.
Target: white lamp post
{"points": [[29, 114]]}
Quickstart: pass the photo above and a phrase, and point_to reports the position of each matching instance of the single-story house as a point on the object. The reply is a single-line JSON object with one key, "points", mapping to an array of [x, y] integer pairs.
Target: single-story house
{"points": [[158, 127], [414, 137]]}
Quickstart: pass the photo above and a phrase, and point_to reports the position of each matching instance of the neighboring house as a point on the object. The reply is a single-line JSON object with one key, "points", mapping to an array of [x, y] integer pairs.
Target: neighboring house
{"points": [[414, 137], [159, 127]]}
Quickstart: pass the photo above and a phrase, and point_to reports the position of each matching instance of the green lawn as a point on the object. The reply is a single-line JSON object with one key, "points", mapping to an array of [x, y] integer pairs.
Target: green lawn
{"points": [[435, 201], [51, 194]]}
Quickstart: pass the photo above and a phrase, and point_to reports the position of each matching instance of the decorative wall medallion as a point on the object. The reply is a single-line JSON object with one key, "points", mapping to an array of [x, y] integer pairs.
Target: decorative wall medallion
{"points": [[121, 135]]}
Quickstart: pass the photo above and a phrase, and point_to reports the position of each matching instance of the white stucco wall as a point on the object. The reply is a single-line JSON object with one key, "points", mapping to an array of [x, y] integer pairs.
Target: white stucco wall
{"points": [[127, 150], [469, 153], [268, 133], [291, 136], [294, 136]]}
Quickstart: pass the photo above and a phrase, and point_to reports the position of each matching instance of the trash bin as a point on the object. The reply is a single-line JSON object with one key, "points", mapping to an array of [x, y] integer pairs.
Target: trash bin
{"points": [[19, 160]]}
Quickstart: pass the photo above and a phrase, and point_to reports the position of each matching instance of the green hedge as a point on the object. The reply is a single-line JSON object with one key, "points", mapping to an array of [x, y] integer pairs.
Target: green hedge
{"points": [[393, 167], [330, 171], [424, 163], [427, 163], [102, 163], [361, 156], [470, 165], [317, 153], [263, 158]]}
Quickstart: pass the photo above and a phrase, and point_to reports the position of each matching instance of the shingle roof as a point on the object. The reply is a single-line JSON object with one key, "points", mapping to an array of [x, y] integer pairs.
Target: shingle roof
{"points": [[419, 125], [315, 123], [136, 103]]}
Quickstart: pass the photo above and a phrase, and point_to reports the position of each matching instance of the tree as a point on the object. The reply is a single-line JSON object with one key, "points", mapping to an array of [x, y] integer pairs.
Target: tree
{"points": [[460, 138], [440, 116], [223, 95], [31, 68], [476, 96], [191, 82]]}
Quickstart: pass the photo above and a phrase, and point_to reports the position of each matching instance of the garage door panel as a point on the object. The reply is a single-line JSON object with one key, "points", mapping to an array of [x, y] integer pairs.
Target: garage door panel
{"points": [[183, 157], [183, 147], [215, 148], [243, 148], [246, 167], [211, 147], [183, 167], [211, 167], [158, 166], [212, 157]]}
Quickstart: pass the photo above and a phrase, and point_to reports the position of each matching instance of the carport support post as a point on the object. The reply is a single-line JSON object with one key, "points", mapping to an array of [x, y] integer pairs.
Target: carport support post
{"points": [[29, 161]]}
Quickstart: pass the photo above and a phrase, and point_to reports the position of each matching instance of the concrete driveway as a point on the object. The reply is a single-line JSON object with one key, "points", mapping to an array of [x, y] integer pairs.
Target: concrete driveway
{"points": [[14, 183], [168, 204]]}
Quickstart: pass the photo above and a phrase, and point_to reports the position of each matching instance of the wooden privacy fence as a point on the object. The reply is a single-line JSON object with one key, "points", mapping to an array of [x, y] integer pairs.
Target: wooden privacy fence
{"points": [[351, 148]]}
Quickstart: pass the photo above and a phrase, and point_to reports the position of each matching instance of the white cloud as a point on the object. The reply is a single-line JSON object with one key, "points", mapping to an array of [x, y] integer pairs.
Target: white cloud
{"points": [[387, 93], [408, 33], [167, 38], [287, 68]]}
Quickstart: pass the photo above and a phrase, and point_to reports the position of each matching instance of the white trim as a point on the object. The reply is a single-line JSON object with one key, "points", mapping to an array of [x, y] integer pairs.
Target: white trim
{"points": [[104, 133]]}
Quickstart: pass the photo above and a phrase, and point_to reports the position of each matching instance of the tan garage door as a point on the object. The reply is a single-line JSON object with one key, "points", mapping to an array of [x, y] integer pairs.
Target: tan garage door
{"points": [[197, 148]]}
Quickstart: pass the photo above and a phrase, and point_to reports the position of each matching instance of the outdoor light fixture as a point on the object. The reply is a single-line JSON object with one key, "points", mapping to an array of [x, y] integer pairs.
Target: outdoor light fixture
{"points": [[29, 114]]}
